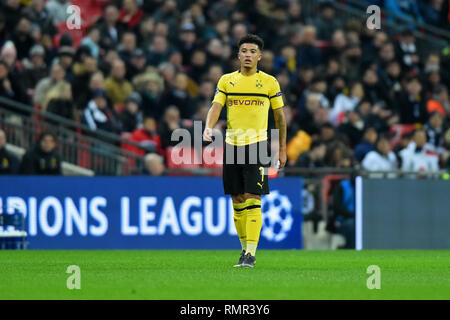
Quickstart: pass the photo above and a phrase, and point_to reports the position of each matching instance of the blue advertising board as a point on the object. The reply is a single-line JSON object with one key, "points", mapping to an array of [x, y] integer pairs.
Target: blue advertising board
{"points": [[145, 212]]}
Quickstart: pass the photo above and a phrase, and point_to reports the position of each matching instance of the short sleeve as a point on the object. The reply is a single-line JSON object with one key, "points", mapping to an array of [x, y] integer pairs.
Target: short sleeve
{"points": [[275, 95], [221, 92]]}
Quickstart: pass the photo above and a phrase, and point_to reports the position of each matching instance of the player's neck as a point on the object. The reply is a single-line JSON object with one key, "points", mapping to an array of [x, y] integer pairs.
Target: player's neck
{"points": [[248, 71]]}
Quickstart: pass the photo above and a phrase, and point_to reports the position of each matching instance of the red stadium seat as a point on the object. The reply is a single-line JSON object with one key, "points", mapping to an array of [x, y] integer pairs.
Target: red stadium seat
{"points": [[212, 158], [182, 158], [398, 130]]}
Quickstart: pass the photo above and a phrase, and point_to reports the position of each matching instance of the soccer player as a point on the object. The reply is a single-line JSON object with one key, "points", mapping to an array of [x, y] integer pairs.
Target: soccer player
{"points": [[247, 93]]}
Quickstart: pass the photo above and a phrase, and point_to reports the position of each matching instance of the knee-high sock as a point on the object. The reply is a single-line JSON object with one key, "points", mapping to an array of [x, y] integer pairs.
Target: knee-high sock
{"points": [[240, 221], [254, 223]]}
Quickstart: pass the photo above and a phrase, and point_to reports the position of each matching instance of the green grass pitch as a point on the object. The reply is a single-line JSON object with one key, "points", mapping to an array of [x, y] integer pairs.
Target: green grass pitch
{"points": [[208, 274]]}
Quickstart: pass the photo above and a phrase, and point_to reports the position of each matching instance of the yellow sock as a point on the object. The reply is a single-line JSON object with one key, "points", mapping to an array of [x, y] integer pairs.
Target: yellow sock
{"points": [[254, 223], [240, 221]]}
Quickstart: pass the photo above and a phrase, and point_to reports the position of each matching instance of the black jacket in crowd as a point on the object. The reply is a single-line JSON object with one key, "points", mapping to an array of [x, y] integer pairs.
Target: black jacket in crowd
{"points": [[9, 164], [38, 162]]}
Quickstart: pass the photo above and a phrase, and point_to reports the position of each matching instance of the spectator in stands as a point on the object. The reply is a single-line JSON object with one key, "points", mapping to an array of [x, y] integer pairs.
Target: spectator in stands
{"points": [[57, 74], [314, 158], [419, 156], [432, 80], [43, 158], [170, 122], [381, 158], [22, 38], [344, 102], [367, 143], [127, 46], [154, 165], [435, 131], [198, 65], [187, 41], [373, 91], [130, 14], [131, 116], [439, 101], [57, 10], [9, 87], [9, 163], [60, 102], [343, 218], [65, 59], [351, 61], [145, 35], [179, 96], [147, 136], [117, 87], [83, 72], [99, 116], [351, 128], [38, 14], [110, 28], [390, 82], [411, 106], [337, 46], [326, 22], [34, 68], [137, 65], [386, 54], [150, 85], [12, 12], [407, 51], [307, 52], [92, 41], [159, 51], [306, 113], [9, 55]]}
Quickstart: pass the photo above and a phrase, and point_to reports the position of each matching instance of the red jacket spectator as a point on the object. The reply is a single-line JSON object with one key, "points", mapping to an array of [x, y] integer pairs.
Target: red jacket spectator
{"points": [[147, 135], [130, 14]]}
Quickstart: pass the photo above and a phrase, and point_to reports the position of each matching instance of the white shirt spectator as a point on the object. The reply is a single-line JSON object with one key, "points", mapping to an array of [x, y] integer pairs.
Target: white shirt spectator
{"points": [[424, 159], [342, 103], [375, 161]]}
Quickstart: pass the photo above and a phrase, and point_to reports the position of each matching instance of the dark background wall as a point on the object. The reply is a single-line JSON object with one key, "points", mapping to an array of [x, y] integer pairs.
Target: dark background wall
{"points": [[406, 214]]}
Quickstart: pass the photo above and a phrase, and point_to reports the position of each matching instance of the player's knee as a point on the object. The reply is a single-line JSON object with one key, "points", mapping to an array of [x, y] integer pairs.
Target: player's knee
{"points": [[251, 196], [238, 198]]}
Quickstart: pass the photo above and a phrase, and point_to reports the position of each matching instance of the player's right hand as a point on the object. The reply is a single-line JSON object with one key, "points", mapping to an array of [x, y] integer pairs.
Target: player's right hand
{"points": [[207, 135]]}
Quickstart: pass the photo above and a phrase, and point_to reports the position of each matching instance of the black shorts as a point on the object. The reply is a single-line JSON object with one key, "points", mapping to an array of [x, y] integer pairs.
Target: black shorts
{"points": [[245, 170]]}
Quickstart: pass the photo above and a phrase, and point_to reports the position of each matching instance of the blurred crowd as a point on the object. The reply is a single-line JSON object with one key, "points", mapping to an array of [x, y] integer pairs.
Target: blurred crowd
{"points": [[354, 96]]}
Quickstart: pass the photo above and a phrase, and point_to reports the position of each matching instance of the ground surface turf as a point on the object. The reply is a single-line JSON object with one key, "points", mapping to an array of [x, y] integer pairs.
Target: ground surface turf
{"points": [[149, 274]]}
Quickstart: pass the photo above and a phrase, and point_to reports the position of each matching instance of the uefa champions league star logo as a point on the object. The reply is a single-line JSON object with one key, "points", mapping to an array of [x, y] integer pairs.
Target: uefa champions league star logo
{"points": [[277, 217]]}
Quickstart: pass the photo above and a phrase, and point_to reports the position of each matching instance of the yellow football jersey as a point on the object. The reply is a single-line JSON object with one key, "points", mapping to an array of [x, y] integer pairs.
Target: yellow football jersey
{"points": [[248, 99]]}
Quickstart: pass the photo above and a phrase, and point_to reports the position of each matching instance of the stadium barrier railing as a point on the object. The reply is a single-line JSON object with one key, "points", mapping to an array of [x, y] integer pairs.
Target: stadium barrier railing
{"points": [[100, 151]]}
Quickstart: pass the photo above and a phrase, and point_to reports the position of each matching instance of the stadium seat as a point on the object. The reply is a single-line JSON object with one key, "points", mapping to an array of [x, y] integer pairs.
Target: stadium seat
{"points": [[398, 130], [182, 158], [76, 34], [212, 158]]}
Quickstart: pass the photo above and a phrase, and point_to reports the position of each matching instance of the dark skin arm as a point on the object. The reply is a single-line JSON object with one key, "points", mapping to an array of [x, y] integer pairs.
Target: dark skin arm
{"points": [[211, 120], [280, 122]]}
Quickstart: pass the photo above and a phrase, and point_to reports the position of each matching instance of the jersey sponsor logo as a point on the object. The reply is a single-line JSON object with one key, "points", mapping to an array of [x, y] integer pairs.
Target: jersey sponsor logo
{"points": [[245, 102], [278, 94], [217, 91]]}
